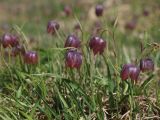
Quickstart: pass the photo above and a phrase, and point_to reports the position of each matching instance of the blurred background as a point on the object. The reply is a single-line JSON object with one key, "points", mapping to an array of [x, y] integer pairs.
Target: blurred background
{"points": [[133, 17]]}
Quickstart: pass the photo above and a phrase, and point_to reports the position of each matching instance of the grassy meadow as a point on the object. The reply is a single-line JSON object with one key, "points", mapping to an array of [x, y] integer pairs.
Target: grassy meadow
{"points": [[51, 90]]}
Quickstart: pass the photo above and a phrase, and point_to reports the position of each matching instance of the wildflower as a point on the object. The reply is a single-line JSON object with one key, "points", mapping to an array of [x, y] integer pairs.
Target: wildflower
{"points": [[52, 27], [97, 44], [31, 57], [131, 25], [67, 10], [146, 64], [72, 41], [9, 40], [73, 59], [99, 10], [130, 71]]}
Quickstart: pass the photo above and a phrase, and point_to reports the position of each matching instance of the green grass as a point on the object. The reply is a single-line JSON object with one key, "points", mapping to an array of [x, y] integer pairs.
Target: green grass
{"points": [[49, 90]]}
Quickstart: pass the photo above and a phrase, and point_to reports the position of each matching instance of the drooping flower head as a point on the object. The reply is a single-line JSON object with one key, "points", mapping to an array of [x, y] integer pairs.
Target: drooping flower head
{"points": [[72, 41], [146, 64], [9, 40], [31, 57], [131, 25], [145, 12], [97, 44], [73, 59], [130, 71], [67, 10], [52, 27], [99, 10]]}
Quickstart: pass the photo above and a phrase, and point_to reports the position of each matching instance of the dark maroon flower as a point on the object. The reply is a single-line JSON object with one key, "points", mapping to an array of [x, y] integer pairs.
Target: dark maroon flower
{"points": [[145, 12], [130, 71], [97, 44], [146, 65], [73, 59], [9, 40], [67, 10], [31, 57], [131, 25], [99, 10], [6, 40], [18, 50], [72, 41], [14, 41], [52, 27]]}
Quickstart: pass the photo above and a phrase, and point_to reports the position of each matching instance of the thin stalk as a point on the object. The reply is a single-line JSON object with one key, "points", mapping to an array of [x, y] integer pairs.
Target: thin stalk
{"points": [[131, 99]]}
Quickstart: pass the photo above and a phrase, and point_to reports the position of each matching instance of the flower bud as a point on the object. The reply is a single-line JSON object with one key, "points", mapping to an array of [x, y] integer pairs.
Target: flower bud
{"points": [[145, 12], [131, 25], [72, 41], [31, 57], [73, 59], [67, 10], [97, 44], [99, 10], [9, 40], [130, 71], [14, 41], [146, 65], [52, 27]]}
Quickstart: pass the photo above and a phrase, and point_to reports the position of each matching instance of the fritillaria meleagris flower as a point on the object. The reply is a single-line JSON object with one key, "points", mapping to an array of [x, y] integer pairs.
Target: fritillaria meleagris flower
{"points": [[97, 44], [67, 10], [146, 64], [99, 10], [72, 41], [130, 71], [9, 40], [52, 27], [73, 59], [31, 57], [131, 25]]}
